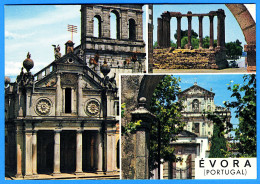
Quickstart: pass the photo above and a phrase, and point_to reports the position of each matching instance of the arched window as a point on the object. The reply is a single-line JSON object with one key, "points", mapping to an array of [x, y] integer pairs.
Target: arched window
{"points": [[195, 105], [132, 29], [97, 32], [114, 24]]}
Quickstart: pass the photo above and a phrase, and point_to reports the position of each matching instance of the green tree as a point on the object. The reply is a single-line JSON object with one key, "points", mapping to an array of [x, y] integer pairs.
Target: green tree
{"points": [[218, 141], [172, 44], [206, 42], [168, 113], [185, 33], [245, 105], [194, 42], [155, 44], [234, 49]]}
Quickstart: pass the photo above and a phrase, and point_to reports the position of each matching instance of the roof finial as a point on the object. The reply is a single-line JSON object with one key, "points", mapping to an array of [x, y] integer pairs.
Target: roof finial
{"points": [[195, 83]]}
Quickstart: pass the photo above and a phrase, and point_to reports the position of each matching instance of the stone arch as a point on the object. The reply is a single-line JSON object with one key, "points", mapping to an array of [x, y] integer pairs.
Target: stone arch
{"points": [[118, 30], [248, 27], [147, 86], [132, 29], [99, 19]]}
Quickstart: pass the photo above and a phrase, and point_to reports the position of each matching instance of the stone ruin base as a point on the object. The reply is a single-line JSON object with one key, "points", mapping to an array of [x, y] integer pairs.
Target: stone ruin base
{"points": [[170, 58]]}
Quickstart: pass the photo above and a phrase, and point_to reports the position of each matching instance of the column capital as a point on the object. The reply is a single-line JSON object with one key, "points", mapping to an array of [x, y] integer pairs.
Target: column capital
{"points": [[28, 131], [80, 131], [200, 17], [57, 130], [35, 131], [178, 17], [211, 17]]}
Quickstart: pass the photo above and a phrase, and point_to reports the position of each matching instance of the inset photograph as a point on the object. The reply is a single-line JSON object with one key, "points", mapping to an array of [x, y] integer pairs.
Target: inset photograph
{"points": [[62, 68], [204, 38], [169, 121]]}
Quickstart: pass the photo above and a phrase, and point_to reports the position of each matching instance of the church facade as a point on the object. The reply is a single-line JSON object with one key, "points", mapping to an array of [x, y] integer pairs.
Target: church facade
{"points": [[62, 119], [195, 140]]}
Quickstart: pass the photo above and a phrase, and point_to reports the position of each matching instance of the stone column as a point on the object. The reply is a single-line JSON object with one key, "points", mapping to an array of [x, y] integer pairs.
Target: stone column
{"points": [[19, 152], [34, 152], [58, 108], [168, 31], [100, 151], [200, 32], [179, 32], [251, 57], [159, 32], [211, 29], [56, 161], [142, 139], [189, 29], [79, 152], [28, 153], [164, 33], [111, 151], [221, 28], [80, 96]]}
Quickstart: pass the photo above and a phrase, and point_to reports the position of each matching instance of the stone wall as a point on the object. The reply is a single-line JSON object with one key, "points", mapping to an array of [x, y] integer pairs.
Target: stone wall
{"points": [[186, 59], [130, 86], [118, 50]]}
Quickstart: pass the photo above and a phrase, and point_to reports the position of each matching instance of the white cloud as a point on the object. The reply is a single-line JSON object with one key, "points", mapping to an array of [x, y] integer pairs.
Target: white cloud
{"points": [[50, 17], [36, 35]]}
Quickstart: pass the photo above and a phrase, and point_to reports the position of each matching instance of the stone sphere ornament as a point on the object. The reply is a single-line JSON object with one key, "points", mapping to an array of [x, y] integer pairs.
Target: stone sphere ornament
{"points": [[105, 68], [28, 63], [7, 80]]}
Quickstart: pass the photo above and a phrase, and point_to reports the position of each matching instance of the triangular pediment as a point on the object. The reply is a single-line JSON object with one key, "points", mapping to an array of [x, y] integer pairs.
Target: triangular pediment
{"points": [[68, 80], [70, 58], [186, 133], [196, 90]]}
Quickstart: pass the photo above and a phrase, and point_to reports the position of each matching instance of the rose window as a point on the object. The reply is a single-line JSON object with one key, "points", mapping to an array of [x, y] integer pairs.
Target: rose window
{"points": [[43, 107]]}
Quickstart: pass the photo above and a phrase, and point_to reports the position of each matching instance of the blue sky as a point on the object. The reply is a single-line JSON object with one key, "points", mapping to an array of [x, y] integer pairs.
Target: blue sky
{"points": [[218, 83], [34, 29], [233, 31]]}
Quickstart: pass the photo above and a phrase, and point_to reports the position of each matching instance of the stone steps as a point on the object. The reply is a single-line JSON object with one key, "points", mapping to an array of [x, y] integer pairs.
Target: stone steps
{"points": [[68, 176]]}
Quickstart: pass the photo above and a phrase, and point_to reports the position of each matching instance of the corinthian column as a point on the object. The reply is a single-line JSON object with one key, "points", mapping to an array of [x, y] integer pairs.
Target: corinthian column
{"points": [[200, 32], [179, 32], [189, 29], [211, 41]]}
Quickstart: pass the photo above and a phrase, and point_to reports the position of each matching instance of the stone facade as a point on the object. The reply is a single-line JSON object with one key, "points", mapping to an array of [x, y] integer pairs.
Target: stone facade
{"points": [[63, 119], [194, 141], [129, 36]]}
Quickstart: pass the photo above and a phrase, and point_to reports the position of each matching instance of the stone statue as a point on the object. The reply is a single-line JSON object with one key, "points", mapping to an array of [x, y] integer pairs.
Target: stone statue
{"points": [[57, 54]]}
